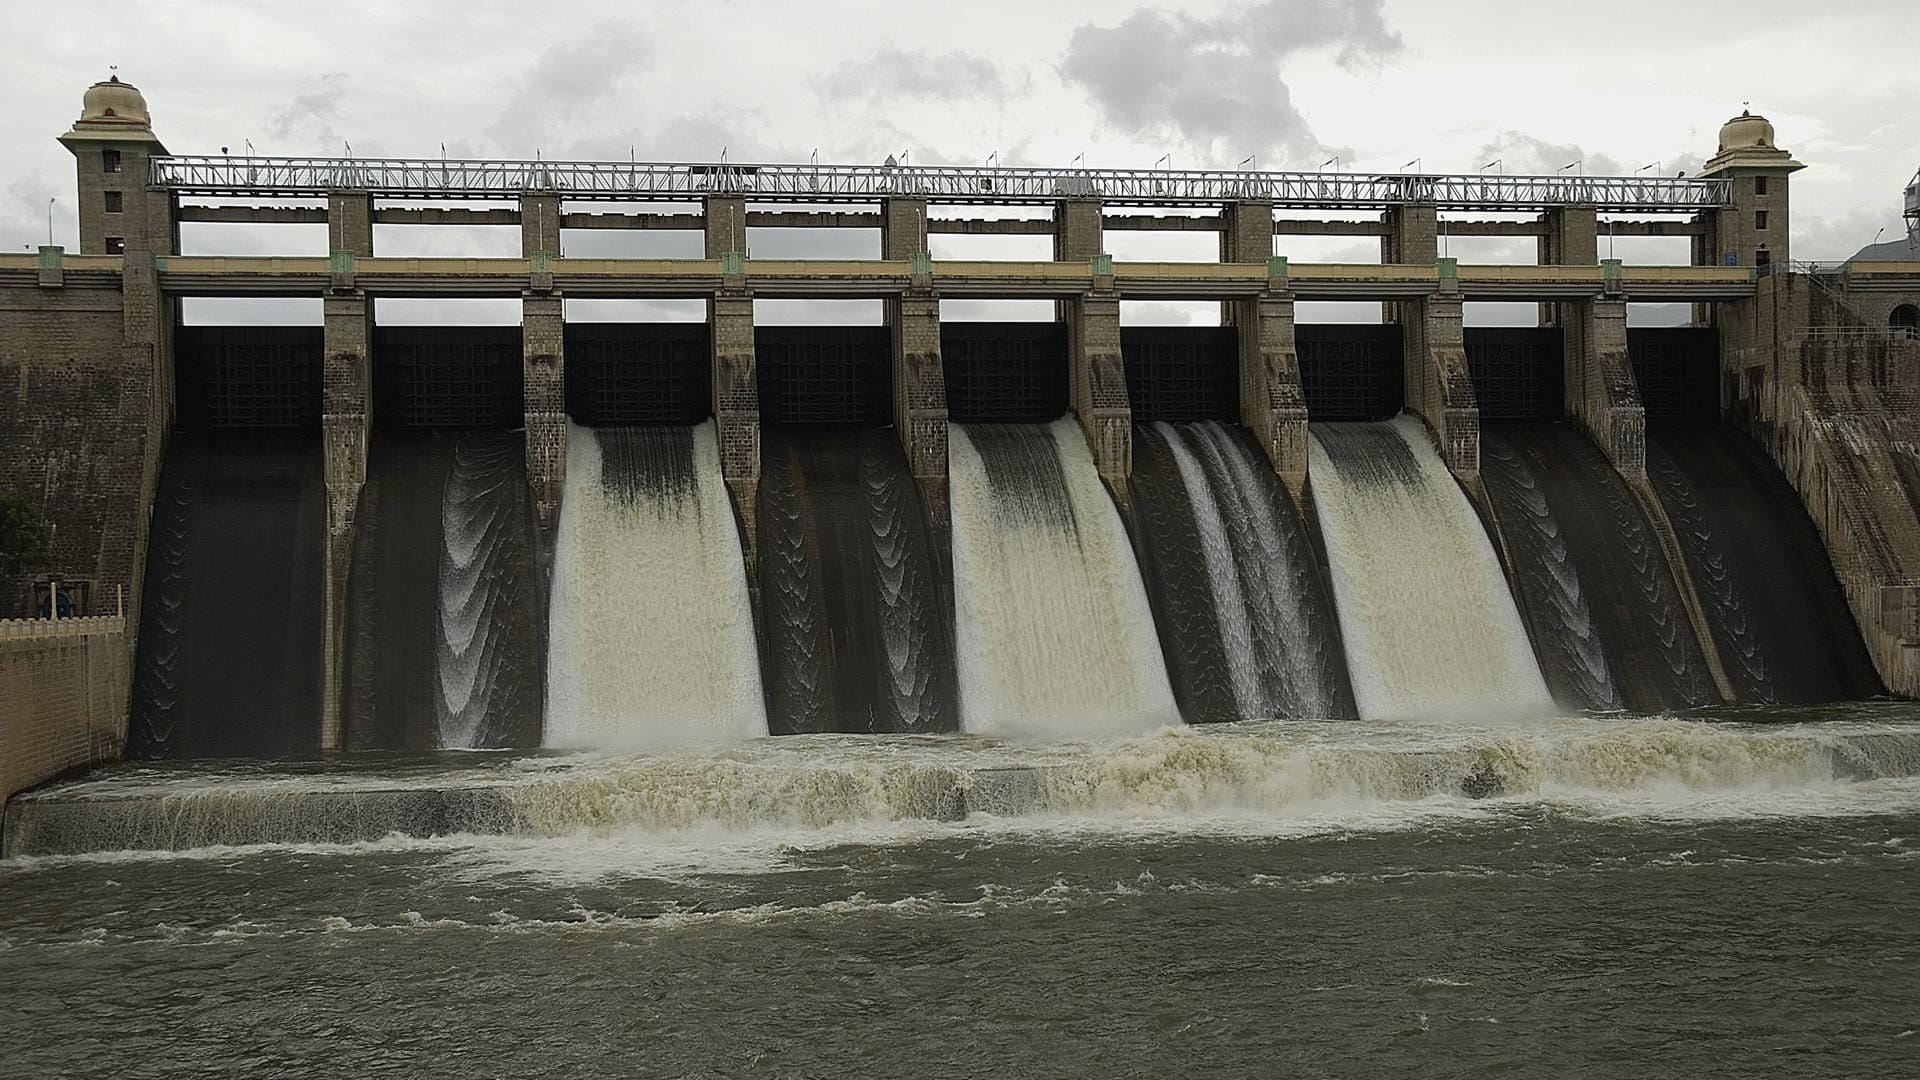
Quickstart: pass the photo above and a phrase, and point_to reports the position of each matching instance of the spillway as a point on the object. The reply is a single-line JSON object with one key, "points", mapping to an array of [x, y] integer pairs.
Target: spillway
{"points": [[445, 643], [1055, 637], [1761, 572], [1590, 574], [858, 631], [1238, 589], [229, 660], [1429, 624], [650, 638]]}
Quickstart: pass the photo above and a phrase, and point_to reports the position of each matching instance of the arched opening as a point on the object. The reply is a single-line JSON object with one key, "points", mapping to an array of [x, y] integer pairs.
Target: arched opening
{"points": [[1905, 321]]}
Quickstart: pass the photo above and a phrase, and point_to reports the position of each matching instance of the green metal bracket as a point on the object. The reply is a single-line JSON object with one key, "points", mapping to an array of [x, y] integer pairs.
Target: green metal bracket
{"points": [[540, 262], [1102, 265], [1449, 269], [1276, 268], [1610, 269], [52, 256], [733, 263], [341, 263], [920, 265]]}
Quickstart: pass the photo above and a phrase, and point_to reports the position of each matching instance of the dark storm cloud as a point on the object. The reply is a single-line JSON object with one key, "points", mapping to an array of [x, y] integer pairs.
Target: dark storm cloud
{"points": [[1214, 84], [891, 72]]}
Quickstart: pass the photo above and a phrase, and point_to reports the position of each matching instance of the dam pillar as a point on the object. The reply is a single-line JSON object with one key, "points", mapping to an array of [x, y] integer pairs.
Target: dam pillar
{"points": [[1411, 239], [903, 228], [1572, 238], [920, 393], [736, 406], [1246, 236], [345, 408], [1602, 395], [1077, 237], [543, 385], [1099, 380], [1438, 386], [350, 223], [726, 225], [539, 226], [1272, 405]]}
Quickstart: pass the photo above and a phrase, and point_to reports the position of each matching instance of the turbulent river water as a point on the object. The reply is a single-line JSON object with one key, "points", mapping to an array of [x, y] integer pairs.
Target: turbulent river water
{"points": [[1723, 895]]}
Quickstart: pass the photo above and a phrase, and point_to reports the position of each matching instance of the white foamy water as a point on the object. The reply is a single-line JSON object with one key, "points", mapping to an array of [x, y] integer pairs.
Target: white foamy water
{"points": [[1429, 623], [650, 640], [1053, 635], [710, 809]]}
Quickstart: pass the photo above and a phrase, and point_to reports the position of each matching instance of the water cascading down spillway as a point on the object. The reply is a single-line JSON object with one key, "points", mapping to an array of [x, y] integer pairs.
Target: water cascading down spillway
{"points": [[650, 637], [1055, 637], [1591, 575], [1762, 575], [1429, 624], [445, 643], [229, 657], [857, 623], [1244, 608]]}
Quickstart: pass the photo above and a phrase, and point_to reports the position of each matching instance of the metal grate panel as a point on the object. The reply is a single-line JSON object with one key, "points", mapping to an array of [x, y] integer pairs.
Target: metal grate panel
{"points": [[1517, 371], [1182, 372], [255, 377], [1351, 371], [447, 377], [1013, 372], [639, 373], [1678, 369], [830, 375]]}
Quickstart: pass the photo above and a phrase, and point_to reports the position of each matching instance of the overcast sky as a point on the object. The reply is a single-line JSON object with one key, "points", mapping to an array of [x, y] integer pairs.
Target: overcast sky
{"points": [[1377, 83]]}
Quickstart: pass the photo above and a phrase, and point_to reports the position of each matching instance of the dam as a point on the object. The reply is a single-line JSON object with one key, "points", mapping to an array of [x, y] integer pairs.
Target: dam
{"points": [[922, 661], [356, 536]]}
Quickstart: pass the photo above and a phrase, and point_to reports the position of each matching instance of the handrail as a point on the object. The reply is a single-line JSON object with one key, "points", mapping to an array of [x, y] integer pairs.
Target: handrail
{"points": [[317, 176]]}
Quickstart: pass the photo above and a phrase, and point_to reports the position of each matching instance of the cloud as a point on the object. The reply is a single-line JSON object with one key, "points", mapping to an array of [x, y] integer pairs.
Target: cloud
{"points": [[1215, 84], [591, 81], [307, 121], [892, 73], [1522, 154]]}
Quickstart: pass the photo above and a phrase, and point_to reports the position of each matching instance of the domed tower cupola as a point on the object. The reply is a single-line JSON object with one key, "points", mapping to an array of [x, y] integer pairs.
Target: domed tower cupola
{"points": [[1753, 230], [111, 144]]}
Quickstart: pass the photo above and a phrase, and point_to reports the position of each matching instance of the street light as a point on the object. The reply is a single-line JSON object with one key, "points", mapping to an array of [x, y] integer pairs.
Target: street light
{"points": [[1333, 161], [1654, 165], [1499, 163]]}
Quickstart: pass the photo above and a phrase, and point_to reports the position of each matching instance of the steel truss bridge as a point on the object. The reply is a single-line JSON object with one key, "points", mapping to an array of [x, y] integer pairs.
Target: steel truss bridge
{"points": [[452, 178]]}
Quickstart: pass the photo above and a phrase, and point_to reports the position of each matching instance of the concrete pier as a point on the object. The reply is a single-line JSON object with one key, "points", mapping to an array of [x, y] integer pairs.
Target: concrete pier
{"points": [[1273, 406], [345, 427]]}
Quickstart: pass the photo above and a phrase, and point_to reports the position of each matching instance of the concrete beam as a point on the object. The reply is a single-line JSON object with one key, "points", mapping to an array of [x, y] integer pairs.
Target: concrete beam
{"points": [[1438, 386], [683, 222], [543, 374], [1492, 228], [256, 215], [445, 215], [350, 223], [345, 418], [991, 226], [818, 219], [726, 225], [1272, 405], [1099, 385], [1302, 227], [1163, 223]]}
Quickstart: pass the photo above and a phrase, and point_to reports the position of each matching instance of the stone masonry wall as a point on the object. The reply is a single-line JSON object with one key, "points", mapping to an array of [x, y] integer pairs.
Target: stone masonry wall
{"points": [[63, 697], [73, 428]]}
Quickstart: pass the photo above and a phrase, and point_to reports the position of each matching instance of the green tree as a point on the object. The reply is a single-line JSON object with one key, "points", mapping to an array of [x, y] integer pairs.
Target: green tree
{"points": [[24, 537]]}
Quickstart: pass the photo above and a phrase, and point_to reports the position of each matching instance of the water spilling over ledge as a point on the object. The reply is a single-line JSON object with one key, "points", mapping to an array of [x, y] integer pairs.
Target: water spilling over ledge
{"points": [[1261, 774]]}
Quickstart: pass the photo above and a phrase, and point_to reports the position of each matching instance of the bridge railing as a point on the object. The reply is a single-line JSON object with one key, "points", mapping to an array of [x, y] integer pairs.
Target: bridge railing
{"points": [[294, 176]]}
